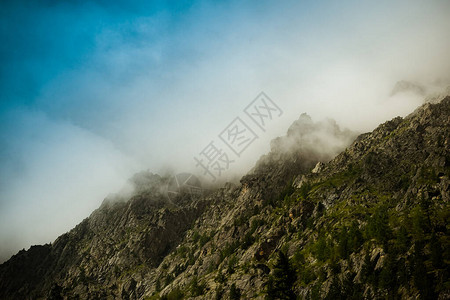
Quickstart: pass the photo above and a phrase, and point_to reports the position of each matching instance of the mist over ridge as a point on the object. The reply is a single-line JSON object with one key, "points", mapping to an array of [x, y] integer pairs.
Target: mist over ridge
{"points": [[94, 93]]}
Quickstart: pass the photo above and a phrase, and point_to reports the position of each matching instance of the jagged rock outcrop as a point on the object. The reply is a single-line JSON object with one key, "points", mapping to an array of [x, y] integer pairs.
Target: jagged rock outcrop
{"points": [[119, 237]]}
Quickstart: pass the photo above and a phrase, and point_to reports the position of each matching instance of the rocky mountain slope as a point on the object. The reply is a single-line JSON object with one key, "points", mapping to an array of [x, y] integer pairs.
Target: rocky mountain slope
{"points": [[371, 222]]}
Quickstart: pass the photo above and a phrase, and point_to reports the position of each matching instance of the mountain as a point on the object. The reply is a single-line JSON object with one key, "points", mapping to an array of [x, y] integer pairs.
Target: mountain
{"points": [[322, 216]]}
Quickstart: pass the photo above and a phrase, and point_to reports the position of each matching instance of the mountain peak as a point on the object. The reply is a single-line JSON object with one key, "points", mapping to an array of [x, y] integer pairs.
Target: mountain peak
{"points": [[344, 217]]}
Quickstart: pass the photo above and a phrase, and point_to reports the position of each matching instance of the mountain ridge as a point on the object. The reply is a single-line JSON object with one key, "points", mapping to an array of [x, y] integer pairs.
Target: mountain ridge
{"points": [[339, 226]]}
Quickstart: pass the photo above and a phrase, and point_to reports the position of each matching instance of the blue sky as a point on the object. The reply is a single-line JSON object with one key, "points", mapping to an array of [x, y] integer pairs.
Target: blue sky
{"points": [[94, 91]]}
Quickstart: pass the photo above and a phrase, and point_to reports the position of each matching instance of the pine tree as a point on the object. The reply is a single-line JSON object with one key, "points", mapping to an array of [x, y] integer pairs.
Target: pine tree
{"points": [[235, 293], [282, 279]]}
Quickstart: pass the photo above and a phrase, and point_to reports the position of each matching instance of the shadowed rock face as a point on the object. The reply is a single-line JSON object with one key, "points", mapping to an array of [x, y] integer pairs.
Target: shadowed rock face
{"points": [[117, 237], [325, 216], [407, 86]]}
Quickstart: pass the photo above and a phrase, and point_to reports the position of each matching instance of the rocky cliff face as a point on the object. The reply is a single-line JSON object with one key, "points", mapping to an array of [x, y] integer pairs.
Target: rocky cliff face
{"points": [[371, 222]]}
